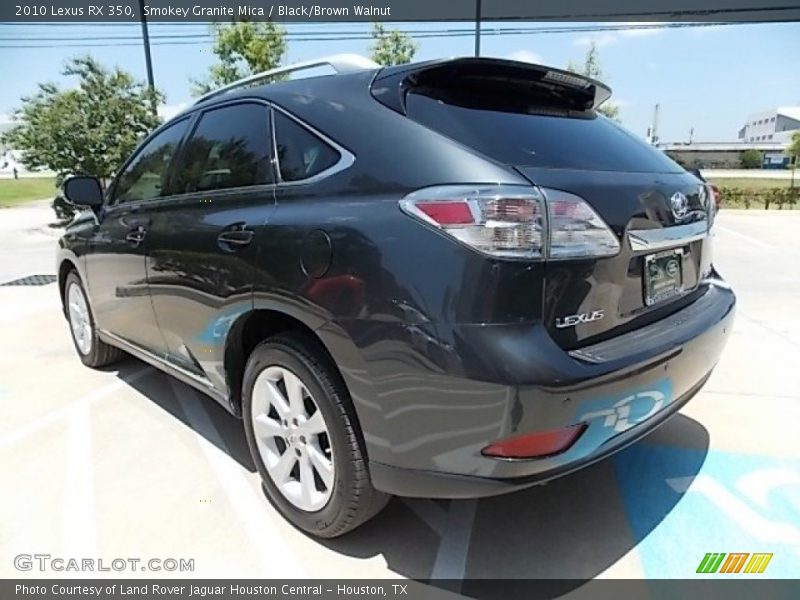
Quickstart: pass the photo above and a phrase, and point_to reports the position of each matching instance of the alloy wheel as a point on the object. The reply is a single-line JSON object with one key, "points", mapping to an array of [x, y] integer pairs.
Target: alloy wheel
{"points": [[292, 438], [79, 319]]}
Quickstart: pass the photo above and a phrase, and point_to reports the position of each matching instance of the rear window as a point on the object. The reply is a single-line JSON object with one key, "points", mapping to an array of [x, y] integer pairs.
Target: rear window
{"points": [[524, 136]]}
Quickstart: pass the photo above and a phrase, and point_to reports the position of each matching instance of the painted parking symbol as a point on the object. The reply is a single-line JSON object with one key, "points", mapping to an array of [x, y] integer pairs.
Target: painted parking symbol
{"points": [[631, 410], [742, 505], [608, 416], [682, 504]]}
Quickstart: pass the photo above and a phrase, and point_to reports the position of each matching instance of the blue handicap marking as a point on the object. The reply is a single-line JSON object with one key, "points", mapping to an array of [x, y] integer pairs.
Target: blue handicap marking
{"points": [[683, 503], [612, 415]]}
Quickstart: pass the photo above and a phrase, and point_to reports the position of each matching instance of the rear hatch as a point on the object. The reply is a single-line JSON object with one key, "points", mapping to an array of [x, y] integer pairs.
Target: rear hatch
{"points": [[544, 124]]}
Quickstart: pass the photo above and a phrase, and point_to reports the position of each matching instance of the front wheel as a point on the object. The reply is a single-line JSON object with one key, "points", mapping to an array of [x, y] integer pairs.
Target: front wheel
{"points": [[301, 431], [92, 351]]}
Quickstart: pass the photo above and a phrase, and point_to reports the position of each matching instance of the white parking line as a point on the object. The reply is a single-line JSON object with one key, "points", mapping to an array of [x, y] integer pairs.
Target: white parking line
{"points": [[456, 531], [750, 239], [451, 559], [430, 512], [252, 511], [79, 516], [28, 310], [65, 411]]}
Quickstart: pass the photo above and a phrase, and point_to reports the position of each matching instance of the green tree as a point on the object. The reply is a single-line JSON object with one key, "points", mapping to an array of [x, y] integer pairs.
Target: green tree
{"points": [[391, 47], [243, 48], [90, 128], [794, 149], [751, 159], [591, 68]]}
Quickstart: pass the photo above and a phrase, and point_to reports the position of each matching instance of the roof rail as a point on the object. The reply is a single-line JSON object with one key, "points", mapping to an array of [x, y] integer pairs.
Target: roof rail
{"points": [[341, 63]]}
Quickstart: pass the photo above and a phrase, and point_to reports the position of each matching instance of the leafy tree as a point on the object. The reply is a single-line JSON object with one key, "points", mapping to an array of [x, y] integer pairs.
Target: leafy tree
{"points": [[794, 156], [91, 128], [751, 159], [391, 47], [243, 48], [591, 68], [794, 149]]}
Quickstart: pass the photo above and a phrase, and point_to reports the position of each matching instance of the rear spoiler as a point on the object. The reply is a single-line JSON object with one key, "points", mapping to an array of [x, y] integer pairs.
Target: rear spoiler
{"points": [[564, 88]]}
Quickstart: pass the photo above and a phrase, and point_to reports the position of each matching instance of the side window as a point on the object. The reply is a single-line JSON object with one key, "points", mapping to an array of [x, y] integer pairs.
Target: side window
{"points": [[230, 147], [145, 177], [301, 154]]}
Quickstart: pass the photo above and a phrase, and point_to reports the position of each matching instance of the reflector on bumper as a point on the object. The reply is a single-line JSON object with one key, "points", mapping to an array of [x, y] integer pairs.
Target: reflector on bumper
{"points": [[536, 445]]}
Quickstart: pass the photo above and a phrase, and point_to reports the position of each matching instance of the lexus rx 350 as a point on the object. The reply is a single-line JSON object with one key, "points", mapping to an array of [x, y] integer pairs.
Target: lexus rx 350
{"points": [[446, 279]]}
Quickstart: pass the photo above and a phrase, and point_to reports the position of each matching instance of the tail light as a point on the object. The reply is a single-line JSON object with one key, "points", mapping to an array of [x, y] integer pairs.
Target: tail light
{"points": [[514, 221], [709, 197], [536, 445], [576, 231], [506, 221], [716, 193]]}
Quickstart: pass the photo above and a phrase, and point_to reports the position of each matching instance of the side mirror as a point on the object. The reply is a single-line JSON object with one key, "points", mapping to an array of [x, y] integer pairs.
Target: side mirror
{"points": [[83, 190]]}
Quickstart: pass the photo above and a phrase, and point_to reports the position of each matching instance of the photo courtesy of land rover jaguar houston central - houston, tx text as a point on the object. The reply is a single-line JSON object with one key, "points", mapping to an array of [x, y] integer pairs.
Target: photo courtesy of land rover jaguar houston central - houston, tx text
{"points": [[444, 279]]}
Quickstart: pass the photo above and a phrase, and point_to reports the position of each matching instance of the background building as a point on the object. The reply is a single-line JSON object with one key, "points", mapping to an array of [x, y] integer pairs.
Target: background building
{"points": [[768, 132], [776, 125]]}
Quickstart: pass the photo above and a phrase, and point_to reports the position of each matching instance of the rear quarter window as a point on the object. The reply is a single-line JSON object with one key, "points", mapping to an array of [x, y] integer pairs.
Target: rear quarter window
{"points": [[301, 154], [523, 136]]}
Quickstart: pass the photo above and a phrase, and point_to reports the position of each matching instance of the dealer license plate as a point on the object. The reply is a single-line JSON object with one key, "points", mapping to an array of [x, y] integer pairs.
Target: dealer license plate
{"points": [[663, 276]]}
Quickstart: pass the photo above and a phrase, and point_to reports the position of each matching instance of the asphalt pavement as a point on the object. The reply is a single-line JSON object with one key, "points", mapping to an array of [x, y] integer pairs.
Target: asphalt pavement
{"points": [[129, 463]]}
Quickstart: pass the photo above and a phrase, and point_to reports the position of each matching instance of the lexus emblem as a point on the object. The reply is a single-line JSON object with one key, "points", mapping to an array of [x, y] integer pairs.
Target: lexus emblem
{"points": [[680, 205], [572, 320]]}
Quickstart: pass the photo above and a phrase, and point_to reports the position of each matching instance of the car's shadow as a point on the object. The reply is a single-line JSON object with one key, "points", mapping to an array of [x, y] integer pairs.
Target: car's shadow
{"points": [[230, 434], [573, 528]]}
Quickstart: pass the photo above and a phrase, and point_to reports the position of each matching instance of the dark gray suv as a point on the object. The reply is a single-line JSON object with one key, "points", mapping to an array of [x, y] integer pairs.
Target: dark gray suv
{"points": [[445, 279]]}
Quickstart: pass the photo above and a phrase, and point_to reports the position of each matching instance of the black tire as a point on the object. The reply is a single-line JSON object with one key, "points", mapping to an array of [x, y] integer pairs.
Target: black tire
{"points": [[100, 354], [353, 500]]}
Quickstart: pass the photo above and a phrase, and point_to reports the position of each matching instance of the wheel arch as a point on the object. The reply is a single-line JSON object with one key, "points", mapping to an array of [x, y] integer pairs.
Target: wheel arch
{"points": [[64, 268], [255, 326], [250, 329]]}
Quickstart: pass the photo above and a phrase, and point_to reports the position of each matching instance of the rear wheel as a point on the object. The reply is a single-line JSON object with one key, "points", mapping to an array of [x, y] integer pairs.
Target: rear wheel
{"points": [[92, 351], [302, 435]]}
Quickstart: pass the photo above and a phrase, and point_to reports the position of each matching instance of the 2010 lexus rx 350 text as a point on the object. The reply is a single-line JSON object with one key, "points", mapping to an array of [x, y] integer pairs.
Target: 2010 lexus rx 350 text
{"points": [[446, 279]]}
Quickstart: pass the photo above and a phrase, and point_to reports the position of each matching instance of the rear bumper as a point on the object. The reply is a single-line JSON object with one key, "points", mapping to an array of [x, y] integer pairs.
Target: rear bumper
{"points": [[621, 389], [415, 483]]}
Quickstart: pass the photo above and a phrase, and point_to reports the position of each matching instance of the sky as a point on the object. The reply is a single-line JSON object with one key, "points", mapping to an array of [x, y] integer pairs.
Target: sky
{"points": [[706, 78]]}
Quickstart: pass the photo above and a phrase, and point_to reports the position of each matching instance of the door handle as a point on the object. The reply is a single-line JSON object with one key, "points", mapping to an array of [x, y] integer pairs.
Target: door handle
{"points": [[236, 238], [136, 236]]}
